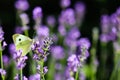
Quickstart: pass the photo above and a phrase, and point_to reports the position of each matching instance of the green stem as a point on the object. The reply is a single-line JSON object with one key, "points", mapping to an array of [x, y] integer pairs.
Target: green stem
{"points": [[21, 76], [3, 78], [41, 63], [76, 76]]}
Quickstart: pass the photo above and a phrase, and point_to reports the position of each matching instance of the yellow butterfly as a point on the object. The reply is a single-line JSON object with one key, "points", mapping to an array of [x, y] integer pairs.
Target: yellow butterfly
{"points": [[22, 43]]}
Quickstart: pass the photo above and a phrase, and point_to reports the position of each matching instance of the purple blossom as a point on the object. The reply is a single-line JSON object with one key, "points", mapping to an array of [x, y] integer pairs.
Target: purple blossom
{"points": [[71, 78], [41, 51], [17, 77], [58, 76], [43, 31], [51, 21], [5, 60], [2, 72], [18, 30], [37, 13], [22, 5], [45, 69], [62, 30], [57, 52], [80, 8], [12, 49], [35, 77], [73, 62], [58, 66], [65, 3], [4, 45], [24, 18], [67, 17], [20, 60], [83, 43], [1, 34], [105, 23], [104, 38], [74, 33]]}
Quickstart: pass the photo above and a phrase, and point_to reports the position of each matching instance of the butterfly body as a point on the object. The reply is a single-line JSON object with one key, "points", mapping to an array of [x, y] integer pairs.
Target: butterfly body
{"points": [[22, 43]]}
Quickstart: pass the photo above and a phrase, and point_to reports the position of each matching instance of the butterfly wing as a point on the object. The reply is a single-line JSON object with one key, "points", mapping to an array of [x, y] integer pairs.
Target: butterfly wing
{"points": [[22, 43]]}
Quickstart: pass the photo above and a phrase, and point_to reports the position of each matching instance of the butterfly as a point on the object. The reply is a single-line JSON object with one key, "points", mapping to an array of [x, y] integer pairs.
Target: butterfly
{"points": [[23, 43]]}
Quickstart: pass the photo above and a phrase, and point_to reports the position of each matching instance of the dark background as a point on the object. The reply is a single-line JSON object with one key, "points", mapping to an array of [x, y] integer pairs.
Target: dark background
{"points": [[94, 9]]}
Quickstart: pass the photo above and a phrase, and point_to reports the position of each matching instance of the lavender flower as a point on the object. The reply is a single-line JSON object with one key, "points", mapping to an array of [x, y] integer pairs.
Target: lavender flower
{"points": [[79, 8], [17, 77], [74, 33], [105, 23], [12, 49], [18, 30], [22, 5], [51, 21], [84, 43], [37, 13], [20, 60], [1, 34], [67, 17], [42, 32], [24, 19], [80, 12], [65, 3], [35, 77], [73, 63], [58, 76], [5, 60], [58, 52], [2, 72], [45, 69], [62, 30]]}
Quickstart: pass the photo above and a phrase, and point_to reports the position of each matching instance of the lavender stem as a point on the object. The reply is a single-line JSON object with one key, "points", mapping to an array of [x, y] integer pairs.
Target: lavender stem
{"points": [[21, 74], [3, 78]]}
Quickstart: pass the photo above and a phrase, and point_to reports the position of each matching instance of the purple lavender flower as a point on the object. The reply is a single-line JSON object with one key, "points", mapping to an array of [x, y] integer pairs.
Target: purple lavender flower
{"points": [[80, 12], [57, 52], [82, 76], [12, 49], [51, 21], [1, 34], [65, 3], [45, 69], [74, 33], [73, 62], [84, 43], [58, 66], [104, 38], [24, 18], [2, 72], [18, 30], [37, 13], [71, 78], [43, 31], [4, 45], [79, 8], [41, 48], [17, 77], [5, 60], [67, 17], [22, 5], [58, 76], [20, 60], [62, 30], [34, 77], [105, 23]]}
